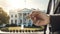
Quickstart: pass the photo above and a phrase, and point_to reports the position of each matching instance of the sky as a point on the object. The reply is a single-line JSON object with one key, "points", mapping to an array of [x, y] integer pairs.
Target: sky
{"points": [[15, 4]]}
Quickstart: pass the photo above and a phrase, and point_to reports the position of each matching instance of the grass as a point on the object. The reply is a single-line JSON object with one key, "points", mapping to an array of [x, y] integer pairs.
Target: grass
{"points": [[19, 28]]}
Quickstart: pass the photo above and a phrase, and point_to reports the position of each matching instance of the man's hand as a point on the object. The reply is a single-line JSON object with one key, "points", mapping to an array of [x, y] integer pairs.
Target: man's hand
{"points": [[39, 18]]}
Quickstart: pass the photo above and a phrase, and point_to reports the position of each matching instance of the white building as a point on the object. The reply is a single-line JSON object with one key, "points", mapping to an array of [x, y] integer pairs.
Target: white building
{"points": [[19, 17]]}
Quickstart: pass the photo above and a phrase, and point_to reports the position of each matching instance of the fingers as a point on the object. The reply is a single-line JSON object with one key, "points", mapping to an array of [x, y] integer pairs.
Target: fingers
{"points": [[40, 23], [35, 13], [37, 23], [31, 16], [34, 20], [39, 18]]}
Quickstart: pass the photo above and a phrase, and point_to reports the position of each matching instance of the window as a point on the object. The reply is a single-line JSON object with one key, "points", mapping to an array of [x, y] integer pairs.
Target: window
{"points": [[24, 20], [20, 14], [15, 21], [11, 21], [24, 13], [29, 21], [11, 15], [20, 21], [16, 16]]}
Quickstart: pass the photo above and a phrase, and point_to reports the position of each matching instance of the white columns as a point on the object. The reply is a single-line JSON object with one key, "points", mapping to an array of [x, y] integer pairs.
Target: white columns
{"points": [[22, 25]]}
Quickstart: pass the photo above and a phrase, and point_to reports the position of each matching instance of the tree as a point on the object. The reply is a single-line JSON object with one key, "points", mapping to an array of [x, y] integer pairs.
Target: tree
{"points": [[4, 18]]}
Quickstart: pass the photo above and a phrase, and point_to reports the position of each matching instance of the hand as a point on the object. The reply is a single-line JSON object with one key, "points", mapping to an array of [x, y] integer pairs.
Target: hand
{"points": [[39, 18]]}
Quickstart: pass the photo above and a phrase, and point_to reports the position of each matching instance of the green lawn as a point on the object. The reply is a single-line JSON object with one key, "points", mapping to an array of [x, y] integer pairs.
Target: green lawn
{"points": [[19, 28]]}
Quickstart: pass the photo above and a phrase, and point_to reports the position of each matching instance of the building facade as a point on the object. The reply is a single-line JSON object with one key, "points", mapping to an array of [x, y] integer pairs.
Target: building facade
{"points": [[19, 17]]}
